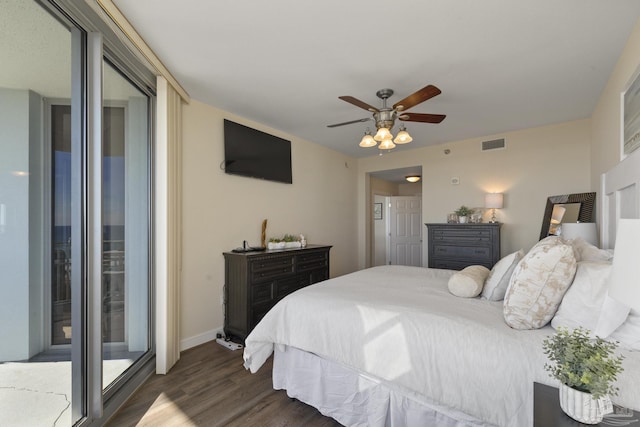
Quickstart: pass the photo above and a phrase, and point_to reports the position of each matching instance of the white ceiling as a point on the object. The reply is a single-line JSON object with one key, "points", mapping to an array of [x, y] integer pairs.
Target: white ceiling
{"points": [[502, 65]]}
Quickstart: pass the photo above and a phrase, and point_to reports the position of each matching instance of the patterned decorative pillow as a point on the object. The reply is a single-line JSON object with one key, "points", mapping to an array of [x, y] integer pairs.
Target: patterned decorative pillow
{"points": [[468, 282], [538, 284], [496, 285]]}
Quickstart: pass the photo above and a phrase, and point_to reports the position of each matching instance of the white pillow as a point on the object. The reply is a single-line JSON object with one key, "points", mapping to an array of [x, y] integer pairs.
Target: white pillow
{"points": [[538, 284], [582, 304], [468, 282], [629, 333], [496, 285], [613, 314], [585, 251]]}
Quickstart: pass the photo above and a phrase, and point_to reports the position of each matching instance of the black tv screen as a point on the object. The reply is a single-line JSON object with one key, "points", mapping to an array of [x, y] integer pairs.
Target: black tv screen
{"points": [[250, 152]]}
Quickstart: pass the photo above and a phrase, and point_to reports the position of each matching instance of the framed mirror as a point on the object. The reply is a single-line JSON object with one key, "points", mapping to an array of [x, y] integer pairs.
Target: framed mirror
{"points": [[579, 207]]}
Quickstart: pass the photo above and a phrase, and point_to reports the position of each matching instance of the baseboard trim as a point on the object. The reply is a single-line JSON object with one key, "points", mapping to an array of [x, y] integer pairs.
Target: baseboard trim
{"points": [[202, 338]]}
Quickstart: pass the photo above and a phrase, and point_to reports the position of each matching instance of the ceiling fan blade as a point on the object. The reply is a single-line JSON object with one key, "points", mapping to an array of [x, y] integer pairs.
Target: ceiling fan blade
{"points": [[416, 98], [423, 118], [358, 103], [348, 123]]}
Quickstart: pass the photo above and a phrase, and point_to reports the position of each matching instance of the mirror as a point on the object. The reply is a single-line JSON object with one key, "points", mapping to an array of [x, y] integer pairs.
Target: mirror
{"points": [[577, 207]]}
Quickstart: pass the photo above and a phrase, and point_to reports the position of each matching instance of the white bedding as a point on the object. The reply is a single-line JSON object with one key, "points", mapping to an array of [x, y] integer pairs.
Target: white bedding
{"points": [[402, 326]]}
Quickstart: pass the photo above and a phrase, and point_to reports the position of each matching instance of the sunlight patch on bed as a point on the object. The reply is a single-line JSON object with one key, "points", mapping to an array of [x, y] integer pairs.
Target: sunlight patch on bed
{"points": [[385, 348]]}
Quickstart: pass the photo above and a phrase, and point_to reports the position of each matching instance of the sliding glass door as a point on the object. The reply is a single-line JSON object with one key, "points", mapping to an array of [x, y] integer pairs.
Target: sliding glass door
{"points": [[76, 316], [125, 223]]}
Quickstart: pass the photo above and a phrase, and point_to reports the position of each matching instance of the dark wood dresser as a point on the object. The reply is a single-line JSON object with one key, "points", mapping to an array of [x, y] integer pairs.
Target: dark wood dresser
{"points": [[256, 281], [456, 246]]}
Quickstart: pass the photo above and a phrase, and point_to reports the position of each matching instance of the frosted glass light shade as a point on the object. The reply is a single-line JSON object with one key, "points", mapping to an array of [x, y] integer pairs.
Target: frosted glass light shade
{"points": [[387, 144], [625, 271], [586, 230], [403, 137], [493, 200], [382, 134], [367, 141]]}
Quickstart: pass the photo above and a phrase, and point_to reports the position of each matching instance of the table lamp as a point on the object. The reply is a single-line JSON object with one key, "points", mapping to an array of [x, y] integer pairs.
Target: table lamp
{"points": [[586, 230], [493, 201]]}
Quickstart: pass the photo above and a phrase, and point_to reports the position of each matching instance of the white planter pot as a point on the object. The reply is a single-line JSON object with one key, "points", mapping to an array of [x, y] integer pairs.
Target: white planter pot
{"points": [[462, 219], [276, 245], [581, 406]]}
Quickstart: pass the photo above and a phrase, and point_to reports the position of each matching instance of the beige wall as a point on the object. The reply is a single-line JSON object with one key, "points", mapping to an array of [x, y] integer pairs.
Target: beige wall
{"points": [[537, 163], [220, 211], [607, 117]]}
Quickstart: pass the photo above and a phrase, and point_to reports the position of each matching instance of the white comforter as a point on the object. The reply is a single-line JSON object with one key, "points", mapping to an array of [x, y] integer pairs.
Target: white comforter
{"points": [[402, 326]]}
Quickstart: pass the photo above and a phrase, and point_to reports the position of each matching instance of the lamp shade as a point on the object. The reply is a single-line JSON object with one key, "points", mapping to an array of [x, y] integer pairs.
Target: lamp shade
{"points": [[586, 230], [624, 282], [493, 200], [557, 213]]}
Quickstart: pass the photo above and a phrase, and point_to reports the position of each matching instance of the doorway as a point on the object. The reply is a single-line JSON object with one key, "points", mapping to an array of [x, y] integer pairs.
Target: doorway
{"points": [[395, 232]]}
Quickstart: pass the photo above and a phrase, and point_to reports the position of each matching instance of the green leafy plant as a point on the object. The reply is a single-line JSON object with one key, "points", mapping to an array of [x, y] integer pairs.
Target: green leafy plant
{"points": [[585, 364], [286, 238], [289, 238], [463, 211]]}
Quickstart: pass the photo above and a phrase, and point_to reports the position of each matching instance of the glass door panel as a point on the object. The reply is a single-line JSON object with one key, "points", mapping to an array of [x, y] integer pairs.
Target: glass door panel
{"points": [[36, 367], [125, 212]]}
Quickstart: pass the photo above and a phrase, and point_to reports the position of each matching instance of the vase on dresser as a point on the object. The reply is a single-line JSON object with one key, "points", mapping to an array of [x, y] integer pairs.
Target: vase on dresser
{"points": [[462, 219]]}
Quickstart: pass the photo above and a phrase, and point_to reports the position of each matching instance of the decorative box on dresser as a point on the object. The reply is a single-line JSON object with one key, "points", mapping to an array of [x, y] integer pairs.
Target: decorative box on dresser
{"points": [[256, 281], [456, 246]]}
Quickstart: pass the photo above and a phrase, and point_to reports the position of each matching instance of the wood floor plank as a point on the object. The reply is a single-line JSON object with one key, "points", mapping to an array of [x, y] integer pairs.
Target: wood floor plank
{"points": [[209, 387]]}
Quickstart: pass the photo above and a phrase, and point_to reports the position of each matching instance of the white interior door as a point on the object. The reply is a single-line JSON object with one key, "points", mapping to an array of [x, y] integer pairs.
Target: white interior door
{"points": [[405, 231]]}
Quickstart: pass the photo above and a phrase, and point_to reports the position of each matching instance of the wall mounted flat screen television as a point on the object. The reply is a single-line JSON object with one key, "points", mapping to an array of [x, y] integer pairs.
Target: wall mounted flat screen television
{"points": [[250, 152]]}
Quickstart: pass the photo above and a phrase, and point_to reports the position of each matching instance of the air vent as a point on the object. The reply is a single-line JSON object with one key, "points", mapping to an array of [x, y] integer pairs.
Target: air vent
{"points": [[495, 144]]}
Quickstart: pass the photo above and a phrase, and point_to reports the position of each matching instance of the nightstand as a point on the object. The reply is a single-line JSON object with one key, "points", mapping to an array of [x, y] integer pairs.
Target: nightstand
{"points": [[547, 411]]}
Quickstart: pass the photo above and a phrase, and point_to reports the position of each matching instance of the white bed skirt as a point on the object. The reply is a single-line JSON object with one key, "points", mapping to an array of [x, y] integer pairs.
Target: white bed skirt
{"points": [[355, 399]]}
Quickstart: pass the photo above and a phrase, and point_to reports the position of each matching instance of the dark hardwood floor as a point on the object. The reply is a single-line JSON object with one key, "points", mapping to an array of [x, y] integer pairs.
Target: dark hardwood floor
{"points": [[210, 387]]}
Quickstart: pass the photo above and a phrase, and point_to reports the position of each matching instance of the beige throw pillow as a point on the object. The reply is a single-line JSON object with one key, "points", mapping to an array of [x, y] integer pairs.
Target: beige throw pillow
{"points": [[538, 284], [468, 282]]}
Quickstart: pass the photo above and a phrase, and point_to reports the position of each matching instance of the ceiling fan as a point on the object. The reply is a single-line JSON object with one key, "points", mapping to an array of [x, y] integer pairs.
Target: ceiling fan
{"points": [[385, 117]]}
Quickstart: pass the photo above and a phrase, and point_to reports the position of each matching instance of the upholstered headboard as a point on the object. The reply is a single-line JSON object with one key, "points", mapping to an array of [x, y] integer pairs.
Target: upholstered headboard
{"points": [[619, 197]]}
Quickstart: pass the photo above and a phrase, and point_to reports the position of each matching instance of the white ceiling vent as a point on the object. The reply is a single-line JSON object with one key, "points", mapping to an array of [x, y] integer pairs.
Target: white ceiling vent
{"points": [[494, 144]]}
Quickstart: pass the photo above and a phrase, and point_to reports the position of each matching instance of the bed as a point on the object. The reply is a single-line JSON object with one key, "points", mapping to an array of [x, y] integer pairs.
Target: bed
{"points": [[391, 346]]}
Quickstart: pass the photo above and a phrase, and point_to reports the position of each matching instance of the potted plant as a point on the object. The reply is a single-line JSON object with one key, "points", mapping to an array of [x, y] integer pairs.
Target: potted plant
{"points": [[586, 369], [288, 241], [463, 212]]}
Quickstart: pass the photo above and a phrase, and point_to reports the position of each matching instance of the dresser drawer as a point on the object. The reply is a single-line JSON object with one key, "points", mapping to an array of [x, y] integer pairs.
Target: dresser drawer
{"points": [[312, 261], [462, 235], [286, 286], [261, 293], [480, 253], [270, 268], [271, 263]]}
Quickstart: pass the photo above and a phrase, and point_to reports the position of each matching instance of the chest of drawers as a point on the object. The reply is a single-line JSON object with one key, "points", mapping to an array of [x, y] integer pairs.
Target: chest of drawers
{"points": [[256, 281], [456, 246]]}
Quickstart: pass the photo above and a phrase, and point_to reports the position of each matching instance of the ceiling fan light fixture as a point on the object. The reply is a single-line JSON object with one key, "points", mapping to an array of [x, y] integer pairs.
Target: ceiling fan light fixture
{"points": [[382, 135], [367, 140], [413, 178], [387, 144], [403, 137]]}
